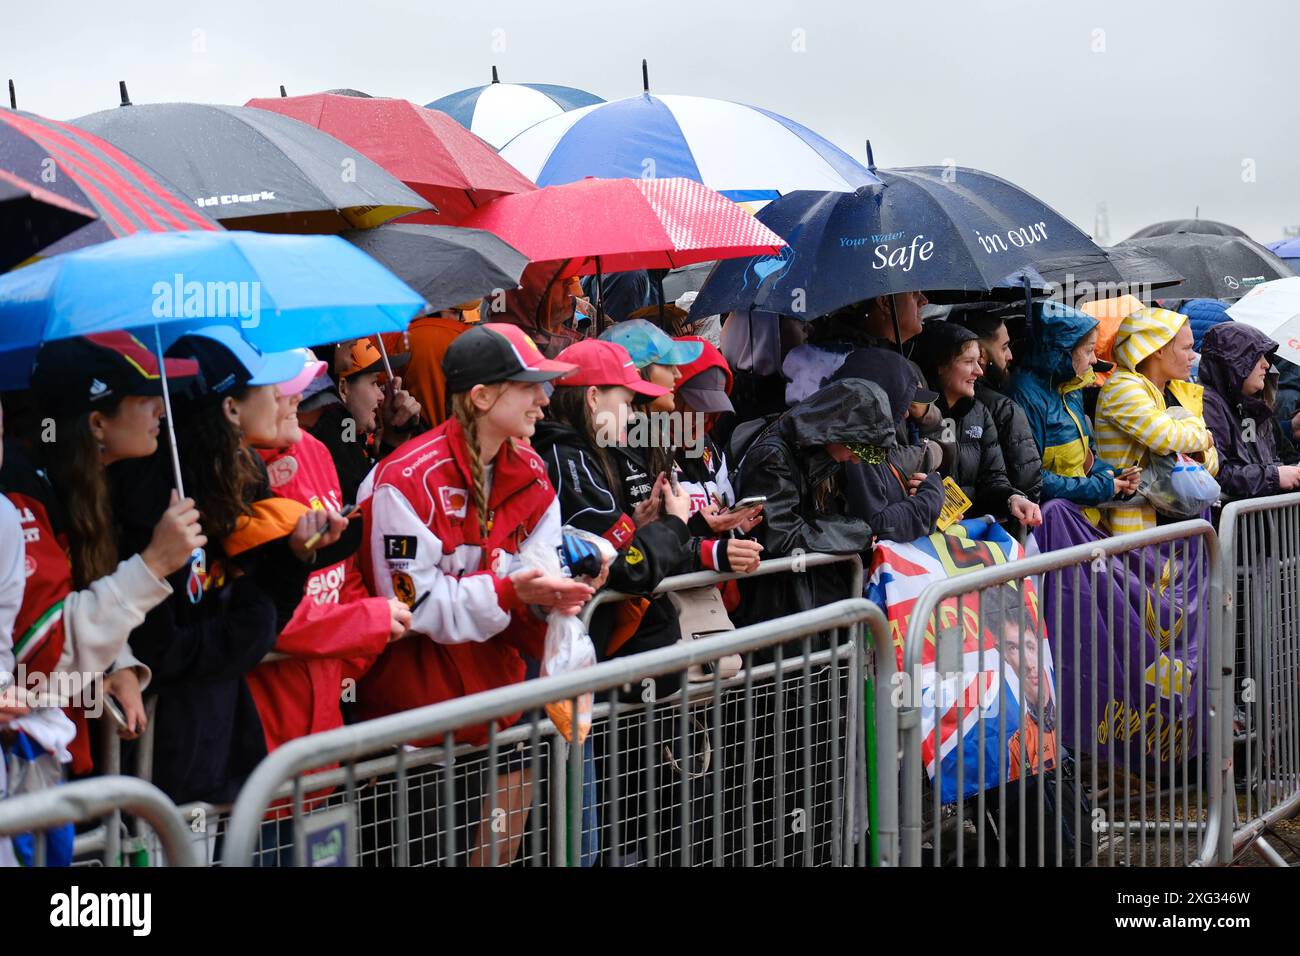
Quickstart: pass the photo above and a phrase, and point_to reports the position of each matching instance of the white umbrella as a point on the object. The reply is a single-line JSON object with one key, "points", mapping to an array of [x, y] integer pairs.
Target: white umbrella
{"points": [[1274, 309], [500, 111]]}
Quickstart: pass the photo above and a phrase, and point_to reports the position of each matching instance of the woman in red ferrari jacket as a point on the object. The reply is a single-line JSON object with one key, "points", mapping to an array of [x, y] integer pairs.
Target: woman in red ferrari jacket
{"points": [[338, 630], [448, 513]]}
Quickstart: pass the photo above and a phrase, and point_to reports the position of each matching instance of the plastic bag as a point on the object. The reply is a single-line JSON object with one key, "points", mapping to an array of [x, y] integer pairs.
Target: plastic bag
{"points": [[568, 647], [31, 770], [1178, 486]]}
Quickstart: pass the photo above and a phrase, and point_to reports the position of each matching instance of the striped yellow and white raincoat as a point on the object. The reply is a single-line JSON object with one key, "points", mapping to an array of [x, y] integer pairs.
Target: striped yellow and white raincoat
{"points": [[1132, 418]]}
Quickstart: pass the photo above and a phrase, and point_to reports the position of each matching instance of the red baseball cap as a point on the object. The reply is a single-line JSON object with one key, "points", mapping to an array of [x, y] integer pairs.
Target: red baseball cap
{"points": [[605, 363]]}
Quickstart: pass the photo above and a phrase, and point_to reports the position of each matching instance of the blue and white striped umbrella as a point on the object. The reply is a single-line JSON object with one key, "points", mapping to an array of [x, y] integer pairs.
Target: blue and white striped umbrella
{"points": [[744, 152], [499, 111]]}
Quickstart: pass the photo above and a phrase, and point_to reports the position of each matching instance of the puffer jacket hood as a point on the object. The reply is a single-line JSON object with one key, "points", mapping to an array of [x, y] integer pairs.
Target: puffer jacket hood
{"points": [[1143, 333], [895, 375], [850, 410], [1204, 314], [1055, 330], [1229, 353]]}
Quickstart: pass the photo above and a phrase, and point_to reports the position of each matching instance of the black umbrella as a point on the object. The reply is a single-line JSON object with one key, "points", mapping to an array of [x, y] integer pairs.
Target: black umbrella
{"points": [[255, 169], [1206, 227], [447, 265], [1112, 272], [1215, 267], [930, 228], [32, 218]]}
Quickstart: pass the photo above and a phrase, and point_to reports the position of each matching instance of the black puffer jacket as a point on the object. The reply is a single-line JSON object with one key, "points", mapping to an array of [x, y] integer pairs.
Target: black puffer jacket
{"points": [[977, 467], [786, 463], [1020, 454], [646, 555]]}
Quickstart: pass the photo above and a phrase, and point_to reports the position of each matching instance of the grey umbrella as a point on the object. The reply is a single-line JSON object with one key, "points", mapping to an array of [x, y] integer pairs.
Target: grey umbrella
{"points": [[1206, 227], [1114, 271], [1214, 267], [447, 265], [254, 169]]}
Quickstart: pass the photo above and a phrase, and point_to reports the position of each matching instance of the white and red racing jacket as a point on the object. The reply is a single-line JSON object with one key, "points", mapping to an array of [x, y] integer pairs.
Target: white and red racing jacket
{"points": [[425, 548]]}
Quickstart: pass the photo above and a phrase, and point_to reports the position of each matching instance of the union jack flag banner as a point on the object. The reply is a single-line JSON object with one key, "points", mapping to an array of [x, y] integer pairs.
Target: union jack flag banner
{"points": [[986, 686]]}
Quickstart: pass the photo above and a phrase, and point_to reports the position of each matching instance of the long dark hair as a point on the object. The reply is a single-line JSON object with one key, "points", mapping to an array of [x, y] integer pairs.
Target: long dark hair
{"points": [[568, 406], [660, 459], [221, 475], [74, 468]]}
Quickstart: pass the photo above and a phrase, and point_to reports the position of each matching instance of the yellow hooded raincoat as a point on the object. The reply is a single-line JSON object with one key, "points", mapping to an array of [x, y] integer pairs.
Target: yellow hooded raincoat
{"points": [[1133, 421]]}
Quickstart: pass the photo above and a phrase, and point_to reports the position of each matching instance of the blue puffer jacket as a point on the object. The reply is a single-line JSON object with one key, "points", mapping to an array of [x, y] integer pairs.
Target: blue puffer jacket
{"points": [[1050, 393], [1203, 315]]}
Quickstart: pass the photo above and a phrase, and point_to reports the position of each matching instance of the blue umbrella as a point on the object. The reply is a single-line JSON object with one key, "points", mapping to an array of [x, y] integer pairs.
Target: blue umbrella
{"points": [[280, 291], [744, 152], [1288, 250], [929, 228]]}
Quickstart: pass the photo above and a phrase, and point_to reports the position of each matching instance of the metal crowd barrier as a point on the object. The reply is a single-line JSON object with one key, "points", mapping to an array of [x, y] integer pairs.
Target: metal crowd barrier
{"points": [[1261, 572], [1143, 784], [702, 791], [83, 801]]}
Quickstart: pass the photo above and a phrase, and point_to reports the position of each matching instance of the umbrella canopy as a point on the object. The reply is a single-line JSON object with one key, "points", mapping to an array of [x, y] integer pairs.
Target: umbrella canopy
{"points": [[500, 111], [253, 169], [1274, 309], [430, 152], [279, 291], [621, 224], [929, 228], [1206, 227], [744, 152], [32, 218], [1115, 271], [447, 265], [1214, 267], [126, 195], [1288, 250]]}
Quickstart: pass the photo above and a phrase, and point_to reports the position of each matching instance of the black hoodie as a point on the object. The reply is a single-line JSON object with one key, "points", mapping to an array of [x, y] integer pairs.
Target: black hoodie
{"points": [[878, 493], [786, 463]]}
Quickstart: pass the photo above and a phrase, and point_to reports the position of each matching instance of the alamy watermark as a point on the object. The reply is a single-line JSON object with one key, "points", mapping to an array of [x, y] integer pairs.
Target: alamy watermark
{"points": [[191, 299], [684, 431]]}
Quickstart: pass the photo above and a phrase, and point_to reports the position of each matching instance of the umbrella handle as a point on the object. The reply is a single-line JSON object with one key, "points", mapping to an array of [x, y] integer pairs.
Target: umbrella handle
{"points": [[198, 560], [383, 353]]}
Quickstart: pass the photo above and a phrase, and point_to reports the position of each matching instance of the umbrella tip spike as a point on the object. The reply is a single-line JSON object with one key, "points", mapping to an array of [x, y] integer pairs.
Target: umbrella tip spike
{"points": [[13, 97], [283, 94], [871, 159], [121, 89], [645, 76], [495, 78]]}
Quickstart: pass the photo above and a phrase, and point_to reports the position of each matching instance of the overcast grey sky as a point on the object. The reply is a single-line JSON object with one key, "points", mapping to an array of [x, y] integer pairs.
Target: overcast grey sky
{"points": [[1154, 108]]}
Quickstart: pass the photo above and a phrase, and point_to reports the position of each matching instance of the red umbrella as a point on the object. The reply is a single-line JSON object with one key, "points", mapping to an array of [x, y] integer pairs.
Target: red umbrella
{"points": [[80, 167], [427, 150], [614, 225]]}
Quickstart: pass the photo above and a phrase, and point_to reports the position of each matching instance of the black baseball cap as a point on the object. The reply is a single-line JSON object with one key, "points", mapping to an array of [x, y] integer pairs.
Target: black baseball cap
{"points": [[78, 375], [497, 352]]}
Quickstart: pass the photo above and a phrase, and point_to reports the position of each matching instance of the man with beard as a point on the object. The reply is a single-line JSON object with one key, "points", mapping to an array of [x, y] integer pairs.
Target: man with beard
{"points": [[1023, 460]]}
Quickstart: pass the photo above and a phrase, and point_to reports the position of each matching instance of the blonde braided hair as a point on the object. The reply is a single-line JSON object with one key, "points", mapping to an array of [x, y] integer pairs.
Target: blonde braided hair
{"points": [[463, 410]]}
